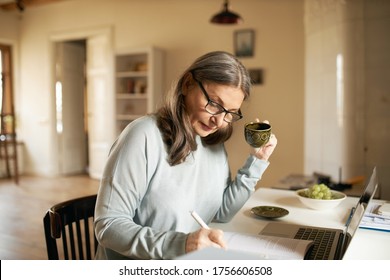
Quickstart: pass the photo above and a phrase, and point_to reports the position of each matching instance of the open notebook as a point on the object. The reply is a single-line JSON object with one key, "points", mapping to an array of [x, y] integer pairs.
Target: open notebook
{"points": [[329, 243]]}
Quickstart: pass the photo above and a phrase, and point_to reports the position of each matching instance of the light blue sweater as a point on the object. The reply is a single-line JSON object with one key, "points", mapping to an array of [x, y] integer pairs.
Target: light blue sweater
{"points": [[143, 204]]}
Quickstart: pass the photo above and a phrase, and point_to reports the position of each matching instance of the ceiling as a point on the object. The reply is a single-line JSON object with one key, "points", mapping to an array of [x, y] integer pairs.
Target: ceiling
{"points": [[12, 5]]}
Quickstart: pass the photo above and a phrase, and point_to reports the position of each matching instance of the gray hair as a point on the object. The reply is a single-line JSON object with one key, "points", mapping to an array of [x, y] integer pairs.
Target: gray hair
{"points": [[172, 119]]}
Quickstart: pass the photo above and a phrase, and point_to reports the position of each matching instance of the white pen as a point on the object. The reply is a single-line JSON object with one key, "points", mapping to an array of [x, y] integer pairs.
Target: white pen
{"points": [[199, 220]]}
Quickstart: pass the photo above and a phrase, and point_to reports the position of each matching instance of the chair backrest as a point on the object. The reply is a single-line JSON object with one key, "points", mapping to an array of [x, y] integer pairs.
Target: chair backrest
{"points": [[69, 230]]}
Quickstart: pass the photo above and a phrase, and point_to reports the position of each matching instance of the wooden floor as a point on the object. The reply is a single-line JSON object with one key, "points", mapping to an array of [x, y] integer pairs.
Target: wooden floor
{"points": [[23, 206]]}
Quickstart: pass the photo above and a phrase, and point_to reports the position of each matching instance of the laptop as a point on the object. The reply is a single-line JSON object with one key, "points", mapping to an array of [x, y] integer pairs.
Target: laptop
{"points": [[329, 243]]}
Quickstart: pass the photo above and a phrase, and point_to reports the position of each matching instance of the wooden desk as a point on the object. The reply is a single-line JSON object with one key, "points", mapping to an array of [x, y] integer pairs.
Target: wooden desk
{"points": [[366, 244]]}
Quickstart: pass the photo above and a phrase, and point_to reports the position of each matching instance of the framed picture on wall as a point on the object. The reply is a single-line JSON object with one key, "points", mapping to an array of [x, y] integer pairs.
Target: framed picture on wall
{"points": [[244, 42], [257, 76]]}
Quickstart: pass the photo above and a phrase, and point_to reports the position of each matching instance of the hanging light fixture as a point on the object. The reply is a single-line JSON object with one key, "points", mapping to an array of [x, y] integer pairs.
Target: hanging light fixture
{"points": [[20, 5], [226, 16]]}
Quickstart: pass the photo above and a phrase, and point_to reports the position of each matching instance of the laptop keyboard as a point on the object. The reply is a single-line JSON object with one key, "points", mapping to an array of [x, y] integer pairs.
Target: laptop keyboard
{"points": [[323, 240]]}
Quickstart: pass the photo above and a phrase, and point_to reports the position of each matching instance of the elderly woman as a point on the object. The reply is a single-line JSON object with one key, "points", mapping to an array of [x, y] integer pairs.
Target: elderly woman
{"points": [[168, 163]]}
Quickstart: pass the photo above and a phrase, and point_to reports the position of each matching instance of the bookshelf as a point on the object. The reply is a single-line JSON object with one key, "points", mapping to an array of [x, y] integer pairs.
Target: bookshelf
{"points": [[138, 83]]}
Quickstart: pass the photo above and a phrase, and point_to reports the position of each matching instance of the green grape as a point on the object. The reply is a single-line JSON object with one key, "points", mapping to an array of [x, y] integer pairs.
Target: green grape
{"points": [[319, 191]]}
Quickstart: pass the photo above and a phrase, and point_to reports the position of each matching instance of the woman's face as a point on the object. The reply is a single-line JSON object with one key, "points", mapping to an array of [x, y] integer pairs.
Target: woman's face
{"points": [[204, 123]]}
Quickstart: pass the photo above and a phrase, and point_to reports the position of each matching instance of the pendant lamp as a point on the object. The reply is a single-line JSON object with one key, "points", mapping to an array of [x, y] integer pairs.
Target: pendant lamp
{"points": [[226, 16], [20, 5]]}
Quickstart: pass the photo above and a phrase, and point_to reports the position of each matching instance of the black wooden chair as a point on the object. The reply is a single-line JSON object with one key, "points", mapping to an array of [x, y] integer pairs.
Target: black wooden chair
{"points": [[69, 231]]}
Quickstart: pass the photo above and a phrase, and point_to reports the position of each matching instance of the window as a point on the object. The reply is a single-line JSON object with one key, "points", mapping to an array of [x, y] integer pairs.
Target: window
{"points": [[8, 150], [6, 96]]}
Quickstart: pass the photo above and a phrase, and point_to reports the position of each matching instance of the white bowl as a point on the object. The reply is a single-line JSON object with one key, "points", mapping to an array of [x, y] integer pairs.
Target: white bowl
{"points": [[321, 204]]}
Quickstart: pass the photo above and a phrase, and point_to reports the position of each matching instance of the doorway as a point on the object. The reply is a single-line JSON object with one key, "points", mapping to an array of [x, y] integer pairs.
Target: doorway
{"points": [[84, 129], [70, 104]]}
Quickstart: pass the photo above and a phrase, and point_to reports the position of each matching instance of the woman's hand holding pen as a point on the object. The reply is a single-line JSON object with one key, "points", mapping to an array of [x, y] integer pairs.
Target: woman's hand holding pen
{"points": [[265, 151], [205, 238]]}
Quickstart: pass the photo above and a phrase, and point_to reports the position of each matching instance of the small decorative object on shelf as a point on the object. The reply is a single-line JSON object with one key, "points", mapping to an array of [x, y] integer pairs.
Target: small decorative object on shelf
{"points": [[141, 67], [130, 86]]}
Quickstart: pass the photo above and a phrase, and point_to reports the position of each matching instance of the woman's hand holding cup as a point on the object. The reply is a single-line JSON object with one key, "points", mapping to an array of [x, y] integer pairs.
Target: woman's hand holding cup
{"points": [[262, 140]]}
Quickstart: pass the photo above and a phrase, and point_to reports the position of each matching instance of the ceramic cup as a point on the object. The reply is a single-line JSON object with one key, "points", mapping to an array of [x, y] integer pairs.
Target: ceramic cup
{"points": [[257, 133]]}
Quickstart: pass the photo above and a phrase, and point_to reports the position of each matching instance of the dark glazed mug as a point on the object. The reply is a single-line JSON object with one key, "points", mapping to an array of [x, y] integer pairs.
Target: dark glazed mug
{"points": [[257, 133]]}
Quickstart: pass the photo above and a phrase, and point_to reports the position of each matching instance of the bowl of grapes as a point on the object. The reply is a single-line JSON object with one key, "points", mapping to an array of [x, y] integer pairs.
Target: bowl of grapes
{"points": [[320, 197]]}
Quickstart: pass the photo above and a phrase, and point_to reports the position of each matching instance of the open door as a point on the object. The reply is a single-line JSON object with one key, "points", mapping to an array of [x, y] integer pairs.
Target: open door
{"points": [[101, 120], [70, 88], [87, 61]]}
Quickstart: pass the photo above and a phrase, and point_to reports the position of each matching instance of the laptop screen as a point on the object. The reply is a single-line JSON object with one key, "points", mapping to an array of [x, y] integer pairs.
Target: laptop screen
{"points": [[361, 206]]}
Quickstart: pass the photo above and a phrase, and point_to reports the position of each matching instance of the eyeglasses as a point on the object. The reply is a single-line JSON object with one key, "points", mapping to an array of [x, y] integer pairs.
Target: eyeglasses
{"points": [[214, 108]]}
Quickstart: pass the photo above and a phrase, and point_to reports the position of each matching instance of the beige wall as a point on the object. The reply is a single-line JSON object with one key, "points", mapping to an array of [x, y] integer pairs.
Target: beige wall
{"points": [[182, 29], [9, 26]]}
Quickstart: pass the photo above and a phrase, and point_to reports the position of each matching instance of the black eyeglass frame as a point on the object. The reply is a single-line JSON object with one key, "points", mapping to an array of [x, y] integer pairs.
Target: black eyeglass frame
{"points": [[235, 116]]}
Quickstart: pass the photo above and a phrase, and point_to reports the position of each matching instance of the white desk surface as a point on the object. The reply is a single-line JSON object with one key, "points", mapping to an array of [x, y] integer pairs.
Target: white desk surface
{"points": [[366, 244]]}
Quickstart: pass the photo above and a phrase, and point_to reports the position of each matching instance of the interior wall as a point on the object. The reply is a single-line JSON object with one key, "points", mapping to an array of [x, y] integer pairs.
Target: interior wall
{"points": [[183, 30], [377, 91], [347, 90]]}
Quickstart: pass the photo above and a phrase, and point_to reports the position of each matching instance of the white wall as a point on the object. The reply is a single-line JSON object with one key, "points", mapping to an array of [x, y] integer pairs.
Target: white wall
{"points": [[347, 112], [180, 27], [377, 91]]}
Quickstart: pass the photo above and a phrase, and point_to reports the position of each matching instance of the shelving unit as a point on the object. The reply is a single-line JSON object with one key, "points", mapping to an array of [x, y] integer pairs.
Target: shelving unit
{"points": [[138, 83]]}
